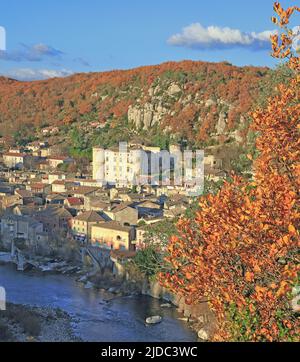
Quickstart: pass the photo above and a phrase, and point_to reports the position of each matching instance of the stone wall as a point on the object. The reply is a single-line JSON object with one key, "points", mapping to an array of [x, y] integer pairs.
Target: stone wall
{"points": [[200, 314]]}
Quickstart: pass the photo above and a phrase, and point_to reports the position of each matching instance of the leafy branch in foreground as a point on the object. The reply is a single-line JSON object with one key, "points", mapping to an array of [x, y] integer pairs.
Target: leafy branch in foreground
{"points": [[241, 250]]}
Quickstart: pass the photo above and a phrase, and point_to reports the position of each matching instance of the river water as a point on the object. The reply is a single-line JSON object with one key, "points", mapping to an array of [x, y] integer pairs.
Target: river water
{"points": [[95, 320]]}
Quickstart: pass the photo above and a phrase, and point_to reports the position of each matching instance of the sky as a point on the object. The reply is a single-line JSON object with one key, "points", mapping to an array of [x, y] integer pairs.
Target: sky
{"points": [[59, 37]]}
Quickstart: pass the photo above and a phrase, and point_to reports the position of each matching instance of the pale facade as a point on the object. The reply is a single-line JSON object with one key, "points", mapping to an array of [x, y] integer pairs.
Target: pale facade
{"points": [[15, 160], [81, 225], [117, 168], [213, 162], [112, 236]]}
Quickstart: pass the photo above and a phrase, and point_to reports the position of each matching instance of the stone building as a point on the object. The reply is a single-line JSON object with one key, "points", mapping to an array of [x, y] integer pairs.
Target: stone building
{"points": [[113, 236], [81, 225]]}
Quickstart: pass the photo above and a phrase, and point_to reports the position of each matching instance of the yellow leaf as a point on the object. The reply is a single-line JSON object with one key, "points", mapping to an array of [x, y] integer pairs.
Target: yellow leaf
{"points": [[249, 276], [292, 229]]}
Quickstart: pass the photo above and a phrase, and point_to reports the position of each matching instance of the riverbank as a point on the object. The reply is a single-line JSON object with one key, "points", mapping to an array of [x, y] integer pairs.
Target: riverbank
{"points": [[198, 317], [97, 315], [22, 323]]}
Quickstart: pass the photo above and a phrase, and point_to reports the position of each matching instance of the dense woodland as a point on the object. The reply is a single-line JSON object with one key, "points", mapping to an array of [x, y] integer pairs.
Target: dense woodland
{"points": [[105, 97]]}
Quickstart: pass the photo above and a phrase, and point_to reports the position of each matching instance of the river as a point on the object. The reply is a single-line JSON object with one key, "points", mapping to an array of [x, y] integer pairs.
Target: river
{"points": [[95, 320]]}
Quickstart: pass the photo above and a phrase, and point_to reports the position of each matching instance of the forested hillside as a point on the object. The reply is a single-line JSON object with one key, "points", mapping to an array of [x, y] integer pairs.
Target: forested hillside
{"points": [[205, 103]]}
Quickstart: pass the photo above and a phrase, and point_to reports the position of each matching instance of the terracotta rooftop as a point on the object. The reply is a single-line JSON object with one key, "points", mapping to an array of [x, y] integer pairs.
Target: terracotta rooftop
{"points": [[58, 182], [74, 201], [38, 185]]}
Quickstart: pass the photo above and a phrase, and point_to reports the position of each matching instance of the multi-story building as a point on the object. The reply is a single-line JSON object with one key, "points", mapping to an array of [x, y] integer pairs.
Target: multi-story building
{"points": [[55, 161], [81, 224], [17, 160], [56, 176], [112, 236], [22, 227], [127, 167], [118, 167], [123, 213]]}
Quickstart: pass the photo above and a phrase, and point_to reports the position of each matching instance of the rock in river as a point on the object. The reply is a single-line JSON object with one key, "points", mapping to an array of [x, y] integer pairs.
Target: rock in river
{"points": [[154, 319]]}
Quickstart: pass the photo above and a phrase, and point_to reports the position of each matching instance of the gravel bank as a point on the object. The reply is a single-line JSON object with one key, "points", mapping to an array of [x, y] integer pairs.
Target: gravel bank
{"points": [[20, 323]]}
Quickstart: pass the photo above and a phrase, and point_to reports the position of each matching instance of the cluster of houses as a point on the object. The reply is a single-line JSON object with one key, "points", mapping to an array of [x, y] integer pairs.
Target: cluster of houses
{"points": [[37, 155], [39, 205]]}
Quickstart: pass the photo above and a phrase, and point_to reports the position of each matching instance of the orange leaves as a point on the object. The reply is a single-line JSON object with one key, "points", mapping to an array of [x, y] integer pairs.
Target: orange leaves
{"points": [[282, 45], [249, 277], [292, 230], [283, 289], [257, 269], [260, 293], [243, 241], [188, 276], [284, 15]]}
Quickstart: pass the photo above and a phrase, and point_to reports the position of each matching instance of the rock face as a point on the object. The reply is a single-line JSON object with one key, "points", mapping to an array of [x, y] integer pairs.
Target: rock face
{"points": [[200, 312], [160, 103], [147, 115], [173, 89], [221, 124]]}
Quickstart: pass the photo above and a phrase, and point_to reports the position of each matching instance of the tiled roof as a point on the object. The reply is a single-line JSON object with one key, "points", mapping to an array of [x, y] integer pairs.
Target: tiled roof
{"points": [[82, 190], [57, 158], [23, 193], [120, 207], [38, 185], [58, 182], [89, 216], [53, 211], [74, 201], [113, 225], [14, 154], [56, 197]]}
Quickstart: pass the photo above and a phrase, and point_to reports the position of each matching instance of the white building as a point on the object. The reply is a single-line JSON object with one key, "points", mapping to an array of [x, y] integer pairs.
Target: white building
{"points": [[119, 167], [16, 160]]}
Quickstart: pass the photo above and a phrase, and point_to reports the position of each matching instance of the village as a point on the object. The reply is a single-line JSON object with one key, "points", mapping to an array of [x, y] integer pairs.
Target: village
{"points": [[43, 206]]}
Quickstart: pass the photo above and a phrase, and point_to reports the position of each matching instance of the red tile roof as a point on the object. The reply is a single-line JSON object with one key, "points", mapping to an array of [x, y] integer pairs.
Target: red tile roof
{"points": [[58, 182], [74, 201], [38, 185]]}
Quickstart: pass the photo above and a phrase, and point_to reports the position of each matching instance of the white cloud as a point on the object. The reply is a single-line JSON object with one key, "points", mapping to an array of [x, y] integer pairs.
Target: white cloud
{"points": [[36, 74], [213, 37], [33, 53], [296, 40]]}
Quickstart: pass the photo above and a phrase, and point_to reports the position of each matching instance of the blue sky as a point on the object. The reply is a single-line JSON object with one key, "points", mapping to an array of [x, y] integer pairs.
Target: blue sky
{"points": [[58, 37]]}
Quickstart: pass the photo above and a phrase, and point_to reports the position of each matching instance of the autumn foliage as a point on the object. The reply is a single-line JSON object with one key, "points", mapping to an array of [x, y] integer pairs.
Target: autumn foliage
{"points": [[100, 96], [242, 249]]}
